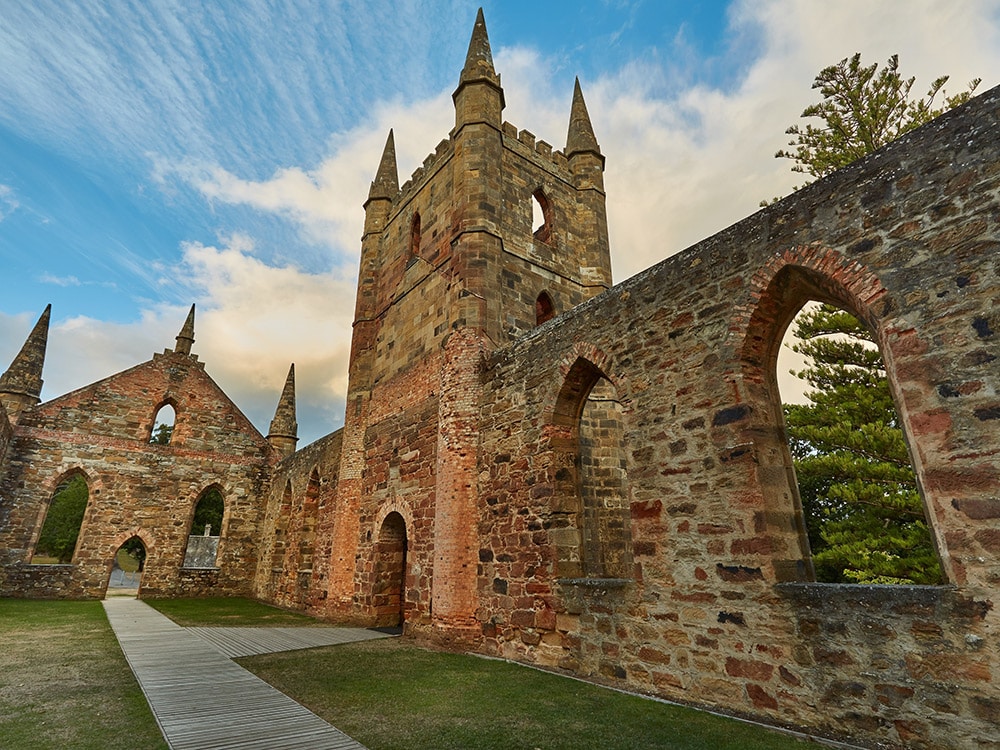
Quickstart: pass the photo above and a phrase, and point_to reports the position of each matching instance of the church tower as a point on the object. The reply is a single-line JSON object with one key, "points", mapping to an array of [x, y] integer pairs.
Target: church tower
{"points": [[494, 234]]}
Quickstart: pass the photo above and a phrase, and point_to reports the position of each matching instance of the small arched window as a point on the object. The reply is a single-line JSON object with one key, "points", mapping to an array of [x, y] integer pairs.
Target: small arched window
{"points": [[309, 509], [162, 430], [415, 236], [544, 309], [541, 216], [281, 529]]}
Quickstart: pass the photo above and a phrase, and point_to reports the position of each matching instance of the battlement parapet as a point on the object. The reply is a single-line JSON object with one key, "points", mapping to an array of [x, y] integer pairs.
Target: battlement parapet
{"points": [[540, 152], [432, 163]]}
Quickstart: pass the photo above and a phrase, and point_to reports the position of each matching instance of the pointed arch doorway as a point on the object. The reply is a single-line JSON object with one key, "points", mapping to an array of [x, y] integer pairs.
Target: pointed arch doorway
{"points": [[127, 567], [389, 592]]}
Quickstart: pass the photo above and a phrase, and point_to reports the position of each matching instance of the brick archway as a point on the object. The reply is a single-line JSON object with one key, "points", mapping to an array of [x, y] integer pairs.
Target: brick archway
{"points": [[778, 290]]}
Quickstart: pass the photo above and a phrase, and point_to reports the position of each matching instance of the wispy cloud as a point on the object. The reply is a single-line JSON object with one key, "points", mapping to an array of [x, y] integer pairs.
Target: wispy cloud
{"points": [[47, 278], [8, 201]]}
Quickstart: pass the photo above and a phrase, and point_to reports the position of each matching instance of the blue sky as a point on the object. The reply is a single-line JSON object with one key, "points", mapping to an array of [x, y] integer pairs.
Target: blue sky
{"points": [[155, 154]]}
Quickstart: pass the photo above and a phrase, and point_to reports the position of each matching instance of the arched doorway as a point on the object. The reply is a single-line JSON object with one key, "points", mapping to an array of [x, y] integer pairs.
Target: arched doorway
{"points": [[388, 594], [126, 568]]}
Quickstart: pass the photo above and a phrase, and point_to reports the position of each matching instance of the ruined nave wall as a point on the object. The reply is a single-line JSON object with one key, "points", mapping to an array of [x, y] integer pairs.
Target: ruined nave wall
{"points": [[718, 608]]}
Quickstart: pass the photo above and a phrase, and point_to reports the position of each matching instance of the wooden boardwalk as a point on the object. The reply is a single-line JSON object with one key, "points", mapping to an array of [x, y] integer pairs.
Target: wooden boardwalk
{"points": [[203, 700]]}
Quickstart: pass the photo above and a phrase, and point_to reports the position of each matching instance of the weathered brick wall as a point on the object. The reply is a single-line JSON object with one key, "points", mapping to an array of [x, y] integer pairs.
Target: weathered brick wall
{"points": [[135, 488], [908, 239]]}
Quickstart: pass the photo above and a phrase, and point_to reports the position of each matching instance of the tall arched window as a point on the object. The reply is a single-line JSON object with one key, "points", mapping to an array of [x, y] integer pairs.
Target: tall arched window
{"points": [[541, 216], [813, 477], [162, 430], [590, 517], [863, 513], [309, 509], [63, 518]]}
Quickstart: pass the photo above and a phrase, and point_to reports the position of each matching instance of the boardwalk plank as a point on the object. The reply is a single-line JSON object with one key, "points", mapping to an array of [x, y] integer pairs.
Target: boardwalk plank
{"points": [[204, 701]]}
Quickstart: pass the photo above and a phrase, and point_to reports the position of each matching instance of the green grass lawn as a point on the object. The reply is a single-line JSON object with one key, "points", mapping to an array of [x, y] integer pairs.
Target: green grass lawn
{"points": [[64, 682], [390, 695]]}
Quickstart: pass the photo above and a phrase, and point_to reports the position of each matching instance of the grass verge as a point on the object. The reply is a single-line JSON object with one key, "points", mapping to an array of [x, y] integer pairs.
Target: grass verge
{"points": [[232, 612], [65, 683], [390, 695]]}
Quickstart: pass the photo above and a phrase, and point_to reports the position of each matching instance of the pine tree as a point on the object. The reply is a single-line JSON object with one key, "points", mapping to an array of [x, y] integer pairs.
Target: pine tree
{"points": [[863, 108], [859, 493]]}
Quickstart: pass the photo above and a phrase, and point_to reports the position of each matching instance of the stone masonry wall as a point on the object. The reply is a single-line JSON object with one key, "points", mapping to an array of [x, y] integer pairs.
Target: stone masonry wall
{"points": [[135, 488], [301, 503], [718, 609]]}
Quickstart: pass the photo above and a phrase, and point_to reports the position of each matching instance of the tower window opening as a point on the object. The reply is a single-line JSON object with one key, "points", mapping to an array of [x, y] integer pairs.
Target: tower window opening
{"points": [[544, 309], [541, 224], [415, 236]]}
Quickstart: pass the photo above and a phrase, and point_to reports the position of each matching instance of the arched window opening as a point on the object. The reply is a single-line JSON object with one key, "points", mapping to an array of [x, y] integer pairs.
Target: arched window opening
{"points": [[206, 530], [862, 509], [63, 518], [163, 425], [590, 523], [281, 530], [544, 309], [127, 567], [415, 236], [388, 591], [309, 510], [541, 216]]}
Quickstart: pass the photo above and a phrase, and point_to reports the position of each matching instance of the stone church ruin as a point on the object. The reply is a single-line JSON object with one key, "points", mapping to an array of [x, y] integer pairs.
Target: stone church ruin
{"points": [[539, 465]]}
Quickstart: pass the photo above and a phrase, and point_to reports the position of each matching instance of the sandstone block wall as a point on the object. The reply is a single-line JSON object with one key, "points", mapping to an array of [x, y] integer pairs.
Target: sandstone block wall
{"points": [[135, 488], [718, 608]]}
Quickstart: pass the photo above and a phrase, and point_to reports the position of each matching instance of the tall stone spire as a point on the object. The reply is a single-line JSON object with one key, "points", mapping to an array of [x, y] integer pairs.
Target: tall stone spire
{"points": [[479, 58], [186, 337], [386, 182], [284, 431], [479, 97], [21, 384], [581, 138]]}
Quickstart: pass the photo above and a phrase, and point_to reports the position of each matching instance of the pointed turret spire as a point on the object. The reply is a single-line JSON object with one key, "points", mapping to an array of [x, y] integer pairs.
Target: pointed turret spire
{"points": [[21, 384], [479, 97], [386, 183], [581, 138], [479, 58], [186, 337], [284, 431]]}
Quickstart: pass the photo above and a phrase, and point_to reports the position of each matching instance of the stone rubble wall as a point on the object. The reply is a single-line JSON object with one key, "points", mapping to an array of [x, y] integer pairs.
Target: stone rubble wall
{"points": [[135, 488], [718, 609]]}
